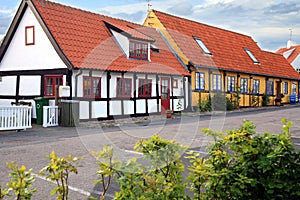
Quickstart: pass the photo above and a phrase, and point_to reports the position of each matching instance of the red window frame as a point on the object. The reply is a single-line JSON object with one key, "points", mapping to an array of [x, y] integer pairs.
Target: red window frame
{"points": [[123, 84], [91, 87], [49, 89], [145, 87], [27, 35], [138, 50]]}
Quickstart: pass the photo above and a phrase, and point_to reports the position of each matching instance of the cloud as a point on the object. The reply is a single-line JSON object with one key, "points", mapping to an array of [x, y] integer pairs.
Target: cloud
{"points": [[6, 16]]}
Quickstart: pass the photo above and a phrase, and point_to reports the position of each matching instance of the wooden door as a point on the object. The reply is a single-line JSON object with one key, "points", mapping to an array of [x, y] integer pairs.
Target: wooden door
{"points": [[278, 90], [165, 94]]}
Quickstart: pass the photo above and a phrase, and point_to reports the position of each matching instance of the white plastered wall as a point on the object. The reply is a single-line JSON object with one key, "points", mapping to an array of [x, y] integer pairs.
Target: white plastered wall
{"points": [[41, 55]]}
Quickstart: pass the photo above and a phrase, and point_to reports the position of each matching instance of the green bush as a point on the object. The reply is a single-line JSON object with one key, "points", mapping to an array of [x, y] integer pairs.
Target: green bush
{"points": [[218, 102], [58, 171], [265, 100], [20, 182], [205, 105], [244, 166]]}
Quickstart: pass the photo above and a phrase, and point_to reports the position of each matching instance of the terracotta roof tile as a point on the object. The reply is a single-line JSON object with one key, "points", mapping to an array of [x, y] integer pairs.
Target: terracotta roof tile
{"points": [[227, 48], [87, 42]]}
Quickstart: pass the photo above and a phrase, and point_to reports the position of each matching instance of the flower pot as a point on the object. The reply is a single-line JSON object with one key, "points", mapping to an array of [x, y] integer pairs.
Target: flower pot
{"points": [[169, 115]]}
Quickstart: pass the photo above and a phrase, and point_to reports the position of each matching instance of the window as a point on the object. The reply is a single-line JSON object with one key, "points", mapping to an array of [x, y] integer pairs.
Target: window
{"points": [[217, 85], [200, 81], [244, 85], [50, 81], [294, 88], [138, 50], [251, 56], [123, 87], [145, 87], [202, 46], [230, 83], [255, 86], [91, 86], [270, 88], [29, 35], [285, 88]]}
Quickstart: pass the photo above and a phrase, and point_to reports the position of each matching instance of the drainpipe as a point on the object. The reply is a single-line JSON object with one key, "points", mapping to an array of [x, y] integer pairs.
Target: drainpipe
{"points": [[76, 81]]}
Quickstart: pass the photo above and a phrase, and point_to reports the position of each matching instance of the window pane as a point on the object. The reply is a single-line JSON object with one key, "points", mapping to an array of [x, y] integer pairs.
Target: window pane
{"points": [[145, 51], [127, 87], [141, 87], [149, 88], [138, 49], [256, 86], [97, 87], [244, 85], [119, 87], [49, 86], [270, 88], [197, 80], [251, 56], [87, 86], [203, 47], [217, 82], [231, 83], [285, 88], [202, 81], [131, 49]]}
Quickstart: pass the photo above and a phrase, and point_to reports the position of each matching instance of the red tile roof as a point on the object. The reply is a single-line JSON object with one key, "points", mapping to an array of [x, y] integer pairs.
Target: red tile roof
{"points": [[227, 48], [295, 52], [87, 42]]}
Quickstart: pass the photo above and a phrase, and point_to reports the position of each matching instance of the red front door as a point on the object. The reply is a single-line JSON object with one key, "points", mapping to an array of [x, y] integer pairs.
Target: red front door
{"points": [[165, 94]]}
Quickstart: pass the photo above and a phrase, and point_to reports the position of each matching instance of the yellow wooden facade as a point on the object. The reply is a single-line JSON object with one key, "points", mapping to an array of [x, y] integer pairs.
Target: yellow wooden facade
{"points": [[246, 100]]}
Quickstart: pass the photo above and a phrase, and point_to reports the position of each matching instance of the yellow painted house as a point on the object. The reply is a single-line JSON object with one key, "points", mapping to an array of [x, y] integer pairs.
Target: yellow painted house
{"points": [[227, 62]]}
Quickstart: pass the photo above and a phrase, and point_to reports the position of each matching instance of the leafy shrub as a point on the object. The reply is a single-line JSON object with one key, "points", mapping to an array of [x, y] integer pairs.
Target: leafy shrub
{"points": [[244, 166], [58, 170], [162, 179], [20, 182], [265, 100], [205, 105], [218, 102]]}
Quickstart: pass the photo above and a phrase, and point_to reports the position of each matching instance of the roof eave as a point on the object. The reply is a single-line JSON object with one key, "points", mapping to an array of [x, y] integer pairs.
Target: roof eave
{"points": [[50, 36]]}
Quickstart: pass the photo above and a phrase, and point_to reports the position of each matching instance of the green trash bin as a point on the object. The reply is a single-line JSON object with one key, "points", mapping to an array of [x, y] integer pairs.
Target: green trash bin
{"points": [[69, 113], [39, 103]]}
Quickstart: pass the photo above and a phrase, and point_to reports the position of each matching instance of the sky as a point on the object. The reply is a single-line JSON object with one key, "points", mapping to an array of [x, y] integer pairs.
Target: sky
{"points": [[271, 23]]}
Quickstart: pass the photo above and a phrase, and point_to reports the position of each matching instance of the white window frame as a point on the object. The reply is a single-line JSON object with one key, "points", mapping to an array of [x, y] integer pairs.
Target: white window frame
{"points": [[255, 86], [244, 85], [231, 83], [217, 82], [200, 81]]}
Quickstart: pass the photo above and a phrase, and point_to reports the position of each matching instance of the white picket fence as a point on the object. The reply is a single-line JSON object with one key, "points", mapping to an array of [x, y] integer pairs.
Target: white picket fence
{"points": [[15, 117], [50, 117]]}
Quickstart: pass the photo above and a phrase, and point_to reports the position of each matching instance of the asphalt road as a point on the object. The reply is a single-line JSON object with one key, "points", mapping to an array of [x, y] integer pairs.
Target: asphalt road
{"points": [[30, 147]]}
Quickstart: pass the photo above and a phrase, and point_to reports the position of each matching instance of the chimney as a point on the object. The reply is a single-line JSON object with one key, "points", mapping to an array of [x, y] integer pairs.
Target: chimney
{"points": [[289, 44]]}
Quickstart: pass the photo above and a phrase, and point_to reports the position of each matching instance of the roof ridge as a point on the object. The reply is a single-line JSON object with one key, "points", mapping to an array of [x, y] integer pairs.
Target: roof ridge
{"points": [[194, 21], [87, 11]]}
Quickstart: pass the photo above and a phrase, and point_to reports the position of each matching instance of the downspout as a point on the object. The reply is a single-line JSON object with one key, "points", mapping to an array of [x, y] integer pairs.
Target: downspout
{"points": [[76, 81]]}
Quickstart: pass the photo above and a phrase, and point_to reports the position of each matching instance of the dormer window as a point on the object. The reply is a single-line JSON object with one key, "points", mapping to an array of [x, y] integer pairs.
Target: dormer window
{"points": [[138, 50], [251, 56], [202, 46]]}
